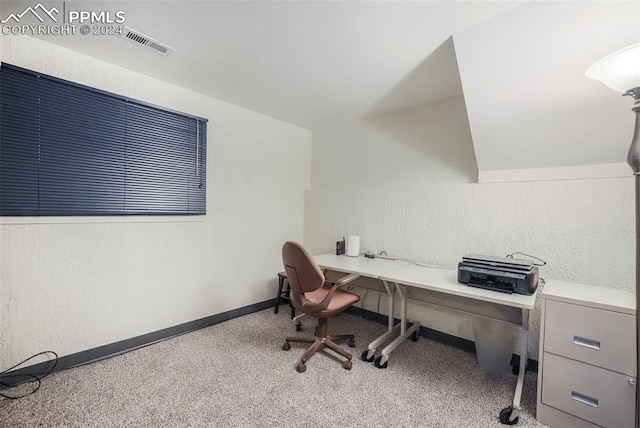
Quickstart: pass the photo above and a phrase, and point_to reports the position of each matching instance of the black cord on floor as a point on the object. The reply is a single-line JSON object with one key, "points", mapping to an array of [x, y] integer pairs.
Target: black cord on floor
{"points": [[33, 376]]}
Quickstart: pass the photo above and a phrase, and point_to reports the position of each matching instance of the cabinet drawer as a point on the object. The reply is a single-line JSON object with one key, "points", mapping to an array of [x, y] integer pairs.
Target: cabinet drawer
{"points": [[595, 336], [600, 396]]}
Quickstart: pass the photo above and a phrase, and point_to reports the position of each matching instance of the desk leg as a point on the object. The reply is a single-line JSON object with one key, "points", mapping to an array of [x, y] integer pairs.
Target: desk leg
{"points": [[391, 330], [509, 415], [391, 293], [405, 332]]}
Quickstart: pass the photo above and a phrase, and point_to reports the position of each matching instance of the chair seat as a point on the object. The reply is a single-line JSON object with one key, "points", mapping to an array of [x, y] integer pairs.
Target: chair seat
{"points": [[340, 301]]}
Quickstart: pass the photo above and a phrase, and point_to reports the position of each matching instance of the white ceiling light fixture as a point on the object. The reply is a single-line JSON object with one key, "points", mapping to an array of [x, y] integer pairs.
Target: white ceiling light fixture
{"points": [[148, 42], [621, 72]]}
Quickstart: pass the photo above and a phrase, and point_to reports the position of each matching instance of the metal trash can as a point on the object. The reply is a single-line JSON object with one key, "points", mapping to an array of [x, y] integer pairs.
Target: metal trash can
{"points": [[494, 344]]}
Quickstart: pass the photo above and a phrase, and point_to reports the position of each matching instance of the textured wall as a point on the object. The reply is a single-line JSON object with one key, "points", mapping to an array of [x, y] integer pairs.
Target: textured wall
{"points": [[584, 229], [73, 284]]}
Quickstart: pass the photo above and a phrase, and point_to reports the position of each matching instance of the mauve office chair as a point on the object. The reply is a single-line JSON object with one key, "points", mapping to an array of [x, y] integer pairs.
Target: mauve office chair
{"points": [[310, 297]]}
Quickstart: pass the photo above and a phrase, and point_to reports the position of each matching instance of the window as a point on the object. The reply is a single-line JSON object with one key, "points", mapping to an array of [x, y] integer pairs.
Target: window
{"points": [[71, 150]]}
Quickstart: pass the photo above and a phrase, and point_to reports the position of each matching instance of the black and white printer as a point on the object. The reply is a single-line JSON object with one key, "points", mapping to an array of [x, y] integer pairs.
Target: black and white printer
{"points": [[504, 274]]}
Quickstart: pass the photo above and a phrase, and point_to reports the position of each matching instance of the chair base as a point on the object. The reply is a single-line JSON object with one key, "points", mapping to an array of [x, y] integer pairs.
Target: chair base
{"points": [[321, 341]]}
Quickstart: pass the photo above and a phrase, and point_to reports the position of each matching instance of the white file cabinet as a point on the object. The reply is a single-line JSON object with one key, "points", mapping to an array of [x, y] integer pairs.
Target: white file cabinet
{"points": [[587, 362]]}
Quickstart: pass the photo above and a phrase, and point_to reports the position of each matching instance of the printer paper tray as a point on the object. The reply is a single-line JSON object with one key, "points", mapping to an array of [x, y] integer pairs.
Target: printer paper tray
{"points": [[488, 287]]}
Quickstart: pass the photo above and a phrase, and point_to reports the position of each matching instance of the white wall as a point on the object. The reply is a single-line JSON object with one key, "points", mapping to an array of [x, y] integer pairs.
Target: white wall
{"points": [[79, 284], [584, 229], [418, 144], [402, 181]]}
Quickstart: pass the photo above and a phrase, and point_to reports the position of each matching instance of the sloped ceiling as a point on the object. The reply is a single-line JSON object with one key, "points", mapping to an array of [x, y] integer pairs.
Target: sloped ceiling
{"points": [[521, 65], [528, 101], [307, 63]]}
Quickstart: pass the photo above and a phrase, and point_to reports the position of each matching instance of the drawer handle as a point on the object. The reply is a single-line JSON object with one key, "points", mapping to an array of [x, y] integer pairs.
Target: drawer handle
{"points": [[586, 342], [585, 399]]}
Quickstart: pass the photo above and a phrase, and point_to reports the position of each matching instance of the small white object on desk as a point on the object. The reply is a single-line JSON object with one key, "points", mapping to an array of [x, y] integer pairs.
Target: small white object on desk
{"points": [[353, 245]]}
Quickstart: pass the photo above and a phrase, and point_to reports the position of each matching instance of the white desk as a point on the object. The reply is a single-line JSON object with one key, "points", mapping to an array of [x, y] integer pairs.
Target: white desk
{"points": [[445, 280], [397, 276], [371, 268]]}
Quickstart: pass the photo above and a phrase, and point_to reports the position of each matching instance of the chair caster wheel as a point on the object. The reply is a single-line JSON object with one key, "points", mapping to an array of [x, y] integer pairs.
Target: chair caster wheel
{"points": [[505, 414], [347, 365], [415, 335], [301, 367], [286, 346], [352, 343], [366, 357], [379, 365], [298, 326]]}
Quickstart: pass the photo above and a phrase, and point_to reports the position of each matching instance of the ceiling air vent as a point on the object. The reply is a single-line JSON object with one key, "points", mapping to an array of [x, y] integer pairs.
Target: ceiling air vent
{"points": [[146, 41]]}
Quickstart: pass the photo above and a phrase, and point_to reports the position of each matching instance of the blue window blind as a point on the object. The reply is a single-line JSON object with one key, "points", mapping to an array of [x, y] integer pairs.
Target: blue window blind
{"points": [[82, 145], [67, 149], [19, 147], [159, 141]]}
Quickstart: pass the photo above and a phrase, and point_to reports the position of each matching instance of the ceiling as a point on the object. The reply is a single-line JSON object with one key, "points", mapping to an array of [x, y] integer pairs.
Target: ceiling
{"points": [[306, 63], [519, 65]]}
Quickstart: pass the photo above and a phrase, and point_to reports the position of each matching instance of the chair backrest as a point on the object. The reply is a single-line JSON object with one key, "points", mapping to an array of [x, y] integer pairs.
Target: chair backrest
{"points": [[303, 273]]}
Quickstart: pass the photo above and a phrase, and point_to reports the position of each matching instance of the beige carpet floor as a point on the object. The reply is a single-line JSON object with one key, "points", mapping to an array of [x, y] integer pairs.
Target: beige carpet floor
{"points": [[234, 374]]}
